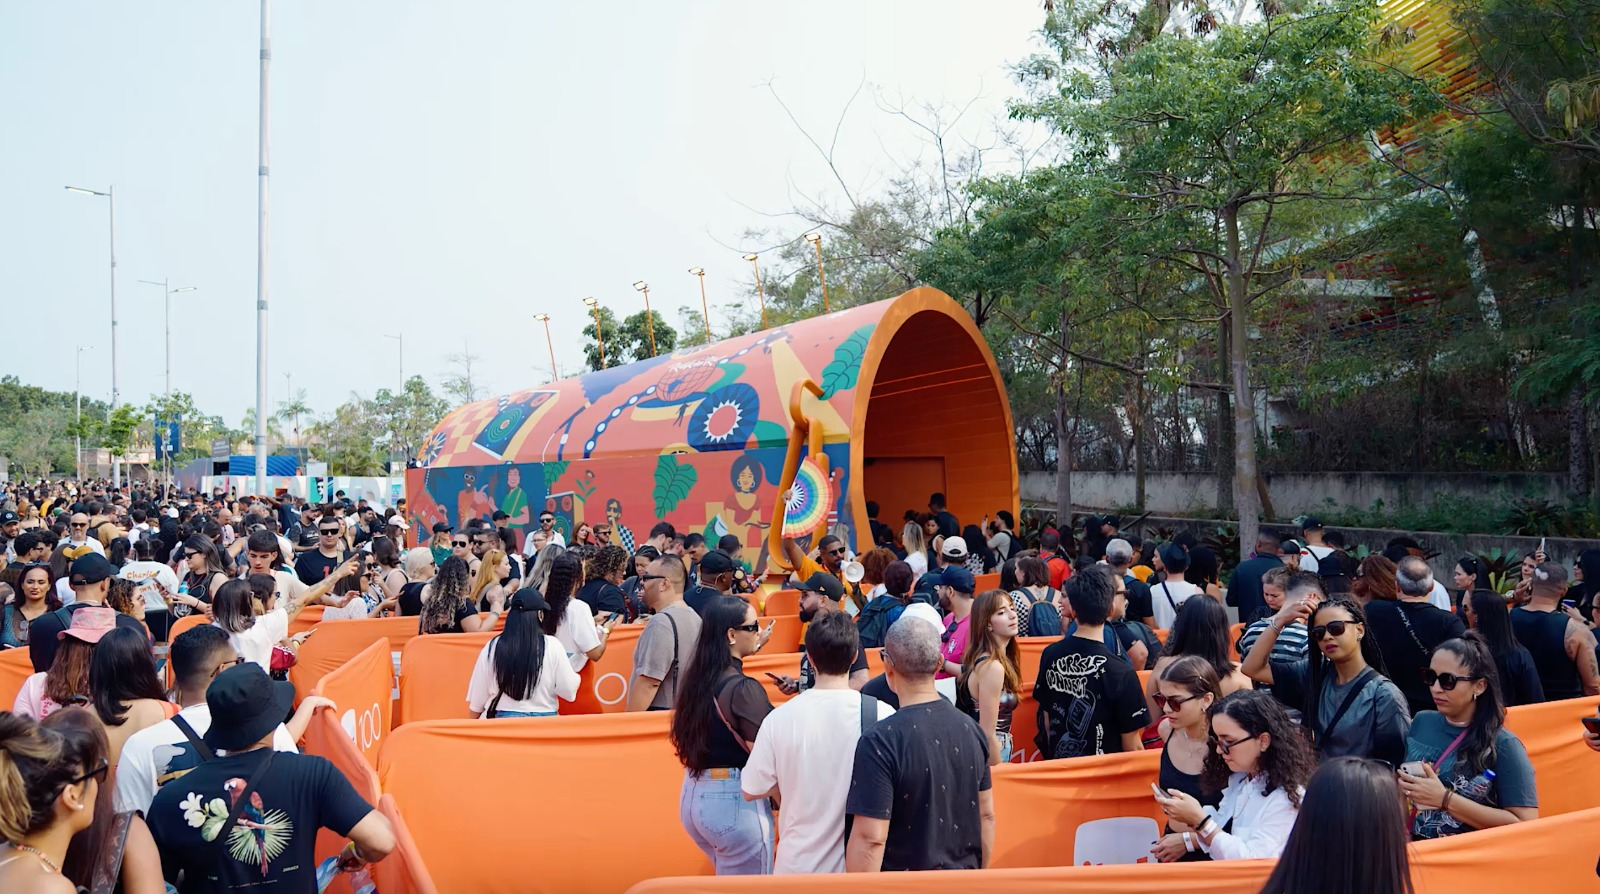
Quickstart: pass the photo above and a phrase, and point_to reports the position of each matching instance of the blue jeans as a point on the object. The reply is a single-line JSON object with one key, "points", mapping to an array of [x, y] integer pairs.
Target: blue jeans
{"points": [[736, 834], [500, 714], [1005, 747]]}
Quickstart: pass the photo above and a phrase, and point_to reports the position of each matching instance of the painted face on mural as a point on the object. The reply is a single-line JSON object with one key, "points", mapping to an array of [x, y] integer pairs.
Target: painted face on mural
{"points": [[513, 477], [747, 481]]}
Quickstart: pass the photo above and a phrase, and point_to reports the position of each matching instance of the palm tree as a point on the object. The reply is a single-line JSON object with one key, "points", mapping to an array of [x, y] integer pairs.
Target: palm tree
{"points": [[294, 408], [274, 431]]}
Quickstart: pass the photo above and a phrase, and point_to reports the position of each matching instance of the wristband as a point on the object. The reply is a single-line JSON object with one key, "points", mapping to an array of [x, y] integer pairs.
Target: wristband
{"points": [[1209, 827], [1444, 803], [1188, 842]]}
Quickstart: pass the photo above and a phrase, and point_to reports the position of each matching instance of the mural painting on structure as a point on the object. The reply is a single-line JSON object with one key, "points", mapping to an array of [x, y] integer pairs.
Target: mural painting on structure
{"points": [[696, 438]]}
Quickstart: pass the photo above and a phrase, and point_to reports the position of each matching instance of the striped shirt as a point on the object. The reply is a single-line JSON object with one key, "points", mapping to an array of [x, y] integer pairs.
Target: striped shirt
{"points": [[1291, 644]]}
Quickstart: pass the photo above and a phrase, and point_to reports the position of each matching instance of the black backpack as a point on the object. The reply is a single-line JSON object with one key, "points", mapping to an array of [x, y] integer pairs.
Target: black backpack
{"points": [[873, 622], [1044, 619]]}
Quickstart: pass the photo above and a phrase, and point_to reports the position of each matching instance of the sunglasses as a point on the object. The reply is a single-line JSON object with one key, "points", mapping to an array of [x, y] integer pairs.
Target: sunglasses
{"points": [[80, 524], [100, 771], [837, 552], [650, 577], [329, 532], [189, 554], [1447, 681], [1163, 702], [749, 628], [459, 543], [227, 664], [547, 521], [1224, 746], [1332, 628]]}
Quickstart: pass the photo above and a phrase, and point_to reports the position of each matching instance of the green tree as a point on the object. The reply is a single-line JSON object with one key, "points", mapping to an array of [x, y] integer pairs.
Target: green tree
{"points": [[407, 417], [292, 409], [628, 341]]}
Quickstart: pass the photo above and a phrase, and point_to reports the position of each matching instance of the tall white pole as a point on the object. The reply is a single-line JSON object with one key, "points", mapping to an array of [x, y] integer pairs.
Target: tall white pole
{"points": [[166, 288], [77, 391], [111, 194], [261, 257]]}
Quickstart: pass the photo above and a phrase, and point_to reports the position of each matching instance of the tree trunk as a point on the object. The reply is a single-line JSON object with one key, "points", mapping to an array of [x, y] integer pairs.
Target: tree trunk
{"points": [[1247, 500], [1223, 441], [1578, 483], [1063, 436], [1139, 437]]}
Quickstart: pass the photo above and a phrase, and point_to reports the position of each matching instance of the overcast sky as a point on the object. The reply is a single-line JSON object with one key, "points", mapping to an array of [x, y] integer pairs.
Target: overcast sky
{"points": [[441, 171]]}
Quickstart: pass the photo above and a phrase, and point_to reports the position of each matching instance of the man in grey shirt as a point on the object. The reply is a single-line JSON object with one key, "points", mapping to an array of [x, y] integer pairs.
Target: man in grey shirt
{"points": [[667, 640]]}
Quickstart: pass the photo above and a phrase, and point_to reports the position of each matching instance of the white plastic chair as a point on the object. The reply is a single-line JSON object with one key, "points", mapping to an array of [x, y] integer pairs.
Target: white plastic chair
{"points": [[1116, 840]]}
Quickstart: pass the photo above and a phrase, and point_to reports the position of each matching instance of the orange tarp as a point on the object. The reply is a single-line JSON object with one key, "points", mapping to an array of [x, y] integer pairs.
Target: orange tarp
{"points": [[326, 737], [1567, 772], [584, 804], [1560, 852], [1041, 804], [434, 672], [309, 617], [403, 872], [785, 633], [363, 690], [782, 602], [336, 642], [16, 666], [986, 581]]}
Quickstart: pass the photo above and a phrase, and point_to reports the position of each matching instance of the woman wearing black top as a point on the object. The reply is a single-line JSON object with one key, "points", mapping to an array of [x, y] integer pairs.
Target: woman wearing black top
{"points": [[715, 719], [1586, 584], [604, 573], [447, 605], [207, 574], [1485, 612], [1470, 573], [1186, 690]]}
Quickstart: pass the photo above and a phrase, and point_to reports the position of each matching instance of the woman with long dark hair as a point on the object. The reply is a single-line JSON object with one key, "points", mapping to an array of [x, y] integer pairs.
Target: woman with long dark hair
{"points": [[601, 588], [117, 552], [1186, 690], [1201, 629], [1348, 704], [126, 693], [1585, 589], [1205, 571], [1260, 763], [990, 683], [522, 672], [1485, 612], [1464, 770], [49, 781], [446, 607], [36, 595], [253, 637], [1033, 587], [1349, 836], [206, 575], [582, 636], [717, 712], [1375, 579], [980, 559], [1471, 573]]}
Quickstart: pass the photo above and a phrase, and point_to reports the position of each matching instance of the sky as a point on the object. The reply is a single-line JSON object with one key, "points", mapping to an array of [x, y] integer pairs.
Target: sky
{"points": [[440, 172]]}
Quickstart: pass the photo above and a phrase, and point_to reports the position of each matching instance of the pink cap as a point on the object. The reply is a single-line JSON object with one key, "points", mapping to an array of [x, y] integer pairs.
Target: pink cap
{"points": [[91, 623]]}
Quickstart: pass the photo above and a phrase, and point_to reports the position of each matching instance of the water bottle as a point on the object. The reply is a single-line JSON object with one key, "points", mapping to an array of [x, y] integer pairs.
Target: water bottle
{"points": [[361, 882]]}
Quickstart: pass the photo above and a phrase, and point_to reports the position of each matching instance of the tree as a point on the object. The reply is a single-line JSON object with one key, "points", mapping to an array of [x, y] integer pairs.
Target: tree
{"points": [[1213, 142], [274, 430], [350, 439], [460, 387], [407, 417], [626, 342], [117, 434], [293, 409]]}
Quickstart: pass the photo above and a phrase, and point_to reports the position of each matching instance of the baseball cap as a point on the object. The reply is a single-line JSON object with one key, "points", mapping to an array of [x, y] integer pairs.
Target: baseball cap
{"points": [[1292, 545], [957, 578], [954, 548], [715, 562], [90, 623], [398, 522], [89, 568], [924, 612], [1310, 523], [8, 517], [246, 705], [442, 528], [821, 582], [529, 599]]}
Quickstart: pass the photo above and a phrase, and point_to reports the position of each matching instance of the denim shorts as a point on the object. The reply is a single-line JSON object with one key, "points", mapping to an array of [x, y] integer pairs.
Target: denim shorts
{"points": [[734, 833]]}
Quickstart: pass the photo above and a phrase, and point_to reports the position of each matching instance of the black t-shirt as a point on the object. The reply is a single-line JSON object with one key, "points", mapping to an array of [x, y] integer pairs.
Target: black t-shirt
{"points": [[43, 639], [1245, 589], [1407, 633], [922, 769], [808, 675], [1088, 698], [699, 597], [464, 609], [410, 602], [272, 847], [603, 597], [1140, 605], [312, 567], [878, 688]]}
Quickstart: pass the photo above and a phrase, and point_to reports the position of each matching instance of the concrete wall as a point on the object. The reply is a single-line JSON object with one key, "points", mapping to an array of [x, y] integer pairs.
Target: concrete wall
{"points": [[1183, 493]]}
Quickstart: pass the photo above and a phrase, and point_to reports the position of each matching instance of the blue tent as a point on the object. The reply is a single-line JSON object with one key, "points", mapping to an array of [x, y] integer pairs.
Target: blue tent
{"points": [[281, 465]]}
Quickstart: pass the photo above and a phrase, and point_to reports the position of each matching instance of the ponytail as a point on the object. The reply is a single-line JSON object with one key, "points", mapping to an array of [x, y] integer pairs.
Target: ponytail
{"points": [[34, 768]]}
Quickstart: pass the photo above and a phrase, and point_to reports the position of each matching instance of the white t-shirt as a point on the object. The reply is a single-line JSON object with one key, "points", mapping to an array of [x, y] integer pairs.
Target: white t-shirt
{"points": [[289, 586], [556, 679], [154, 756], [576, 632], [256, 643], [798, 750], [1311, 555], [1440, 597], [64, 591], [92, 543], [919, 564], [1165, 614], [144, 575]]}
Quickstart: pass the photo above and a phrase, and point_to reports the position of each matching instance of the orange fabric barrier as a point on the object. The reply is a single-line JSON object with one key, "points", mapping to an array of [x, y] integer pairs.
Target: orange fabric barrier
{"points": [[434, 672], [603, 684], [16, 666], [336, 642], [1234, 632], [603, 788], [403, 872], [786, 631], [989, 581], [782, 602], [1559, 851], [363, 690], [326, 737], [1040, 805], [309, 617], [1566, 771]]}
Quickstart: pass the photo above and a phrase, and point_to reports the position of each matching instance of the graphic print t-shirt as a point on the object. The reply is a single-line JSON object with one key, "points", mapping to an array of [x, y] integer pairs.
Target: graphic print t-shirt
{"points": [[1088, 698], [271, 847]]}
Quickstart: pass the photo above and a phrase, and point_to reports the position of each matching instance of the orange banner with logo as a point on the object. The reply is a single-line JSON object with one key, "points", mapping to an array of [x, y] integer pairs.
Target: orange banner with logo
{"points": [[542, 804], [363, 690], [325, 737]]}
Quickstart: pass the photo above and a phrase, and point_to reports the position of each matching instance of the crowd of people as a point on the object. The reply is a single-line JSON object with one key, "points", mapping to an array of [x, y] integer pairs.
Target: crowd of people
{"points": [[1357, 678]]}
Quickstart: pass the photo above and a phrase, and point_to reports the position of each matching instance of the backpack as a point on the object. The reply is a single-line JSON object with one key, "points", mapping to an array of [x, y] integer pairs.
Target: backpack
{"points": [[1152, 643], [873, 622], [1044, 620]]}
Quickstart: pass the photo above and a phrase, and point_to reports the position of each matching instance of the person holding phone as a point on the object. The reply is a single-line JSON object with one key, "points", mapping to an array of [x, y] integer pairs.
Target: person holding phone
{"points": [[1186, 690], [1464, 770], [1591, 732], [1261, 764], [582, 634]]}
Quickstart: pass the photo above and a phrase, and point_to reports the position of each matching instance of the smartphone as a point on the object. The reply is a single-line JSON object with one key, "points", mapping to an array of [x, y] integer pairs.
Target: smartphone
{"points": [[611, 617], [1413, 769], [1160, 795], [1592, 724], [771, 624], [778, 679], [1568, 603], [1541, 550]]}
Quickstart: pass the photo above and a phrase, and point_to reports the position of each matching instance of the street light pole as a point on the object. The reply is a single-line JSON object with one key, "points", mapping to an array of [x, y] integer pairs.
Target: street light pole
{"points": [[401, 338], [815, 239], [168, 292], [545, 319], [705, 311], [111, 195], [760, 295], [77, 391], [262, 181], [599, 336], [649, 318]]}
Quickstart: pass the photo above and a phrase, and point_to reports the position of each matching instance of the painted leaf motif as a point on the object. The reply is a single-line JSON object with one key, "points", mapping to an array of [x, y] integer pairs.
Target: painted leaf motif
{"points": [[673, 482], [840, 373], [553, 471]]}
